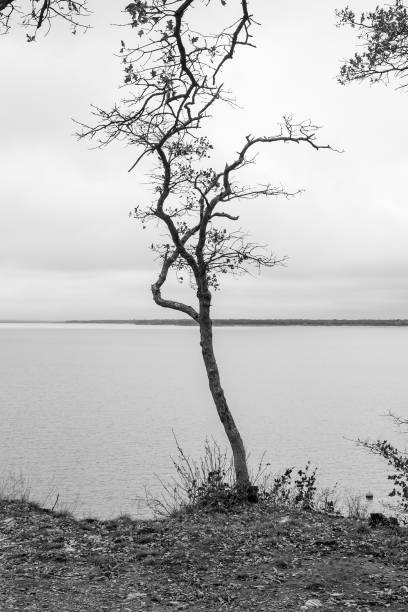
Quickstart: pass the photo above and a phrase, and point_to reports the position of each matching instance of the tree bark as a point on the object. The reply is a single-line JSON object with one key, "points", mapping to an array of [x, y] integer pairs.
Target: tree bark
{"points": [[234, 437]]}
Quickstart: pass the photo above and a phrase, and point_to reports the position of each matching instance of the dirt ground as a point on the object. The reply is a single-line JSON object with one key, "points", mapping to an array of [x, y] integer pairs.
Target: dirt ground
{"points": [[256, 558]]}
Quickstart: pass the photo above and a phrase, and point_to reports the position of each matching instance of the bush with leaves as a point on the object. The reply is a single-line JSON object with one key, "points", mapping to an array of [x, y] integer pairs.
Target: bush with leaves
{"points": [[398, 462], [209, 484], [206, 483], [217, 492], [305, 487], [289, 489]]}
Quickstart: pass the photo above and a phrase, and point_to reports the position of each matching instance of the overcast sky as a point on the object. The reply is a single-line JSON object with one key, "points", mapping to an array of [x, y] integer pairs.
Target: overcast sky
{"points": [[67, 246]]}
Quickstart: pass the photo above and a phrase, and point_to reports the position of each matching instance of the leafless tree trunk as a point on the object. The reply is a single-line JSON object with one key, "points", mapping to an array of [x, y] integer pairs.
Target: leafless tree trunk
{"points": [[226, 418]]}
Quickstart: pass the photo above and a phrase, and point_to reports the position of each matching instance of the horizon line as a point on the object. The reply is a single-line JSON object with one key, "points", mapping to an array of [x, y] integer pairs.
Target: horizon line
{"points": [[221, 321]]}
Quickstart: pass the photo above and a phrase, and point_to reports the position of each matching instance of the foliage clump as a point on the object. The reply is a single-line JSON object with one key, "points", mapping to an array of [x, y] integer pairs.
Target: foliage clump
{"points": [[397, 461], [383, 34], [209, 484], [293, 489]]}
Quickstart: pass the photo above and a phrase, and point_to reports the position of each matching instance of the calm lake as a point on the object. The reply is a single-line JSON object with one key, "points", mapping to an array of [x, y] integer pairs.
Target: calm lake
{"points": [[87, 411]]}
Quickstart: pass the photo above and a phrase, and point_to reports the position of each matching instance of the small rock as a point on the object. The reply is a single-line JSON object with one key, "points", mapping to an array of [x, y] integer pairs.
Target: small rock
{"points": [[141, 554], [58, 557], [312, 604], [243, 575], [150, 560], [147, 529], [24, 584], [281, 563], [316, 585], [134, 595], [329, 542], [155, 598], [145, 539], [378, 519]]}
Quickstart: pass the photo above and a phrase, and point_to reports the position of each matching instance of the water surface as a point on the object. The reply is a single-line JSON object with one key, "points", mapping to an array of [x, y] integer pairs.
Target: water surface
{"points": [[87, 411]]}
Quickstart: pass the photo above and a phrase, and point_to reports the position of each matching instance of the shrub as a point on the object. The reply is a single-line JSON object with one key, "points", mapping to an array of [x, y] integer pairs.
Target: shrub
{"points": [[281, 490], [209, 484], [397, 461], [204, 483], [297, 490], [305, 487]]}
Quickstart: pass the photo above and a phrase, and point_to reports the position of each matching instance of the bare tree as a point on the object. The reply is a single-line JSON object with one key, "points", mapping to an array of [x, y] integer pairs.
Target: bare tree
{"points": [[173, 84], [34, 14], [383, 34]]}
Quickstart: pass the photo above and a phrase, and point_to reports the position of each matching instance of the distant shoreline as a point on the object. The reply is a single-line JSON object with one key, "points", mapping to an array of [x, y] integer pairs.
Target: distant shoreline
{"points": [[260, 322], [234, 322]]}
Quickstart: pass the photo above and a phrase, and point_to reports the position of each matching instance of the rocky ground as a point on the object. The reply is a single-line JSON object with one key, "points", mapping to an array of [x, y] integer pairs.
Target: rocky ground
{"points": [[256, 558]]}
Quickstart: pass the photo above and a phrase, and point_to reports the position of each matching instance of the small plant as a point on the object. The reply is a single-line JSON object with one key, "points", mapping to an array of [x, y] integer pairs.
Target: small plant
{"points": [[305, 487], [397, 461], [205, 483], [285, 491], [217, 492], [281, 490], [15, 487], [356, 508], [328, 500]]}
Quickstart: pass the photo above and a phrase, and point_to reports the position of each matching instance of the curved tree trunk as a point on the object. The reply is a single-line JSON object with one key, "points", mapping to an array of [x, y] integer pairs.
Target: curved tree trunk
{"points": [[234, 437]]}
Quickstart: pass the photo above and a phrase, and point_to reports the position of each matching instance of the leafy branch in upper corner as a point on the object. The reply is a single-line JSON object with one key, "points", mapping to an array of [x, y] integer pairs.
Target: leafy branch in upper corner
{"points": [[383, 34]]}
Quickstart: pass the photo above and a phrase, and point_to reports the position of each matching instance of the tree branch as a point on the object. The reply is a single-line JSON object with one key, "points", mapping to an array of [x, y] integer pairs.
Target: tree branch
{"points": [[156, 289], [224, 214], [33, 13], [383, 33], [179, 14]]}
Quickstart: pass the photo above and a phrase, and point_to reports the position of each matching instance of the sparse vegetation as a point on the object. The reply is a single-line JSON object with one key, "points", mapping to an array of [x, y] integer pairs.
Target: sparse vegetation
{"points": [[356, 508], [206, 482], [397, 461], [209, 484], [14, 486]]}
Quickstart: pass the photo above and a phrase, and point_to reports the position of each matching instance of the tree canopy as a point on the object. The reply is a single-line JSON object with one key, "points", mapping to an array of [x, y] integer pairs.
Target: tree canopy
{"points": [[383, 34], [174, 81]]}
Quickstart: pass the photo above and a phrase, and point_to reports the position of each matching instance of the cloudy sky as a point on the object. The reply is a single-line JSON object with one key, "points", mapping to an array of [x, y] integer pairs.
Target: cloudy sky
{"points": [[67, 246]]}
